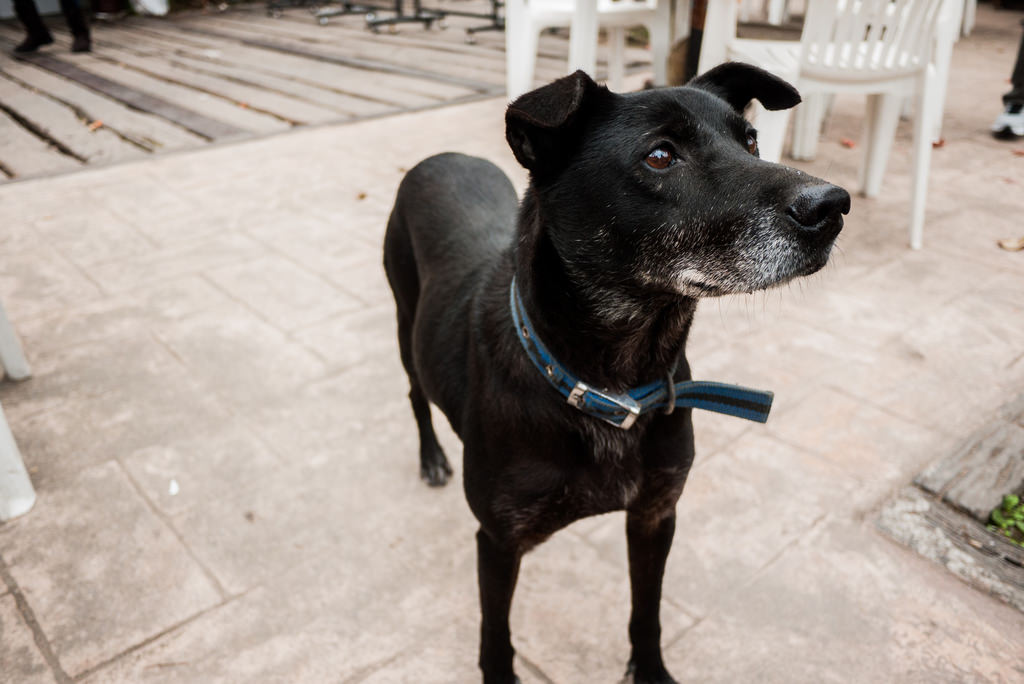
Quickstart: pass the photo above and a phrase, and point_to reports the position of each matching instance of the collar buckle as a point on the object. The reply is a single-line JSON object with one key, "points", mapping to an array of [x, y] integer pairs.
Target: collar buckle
{"points": [[620, 410]]}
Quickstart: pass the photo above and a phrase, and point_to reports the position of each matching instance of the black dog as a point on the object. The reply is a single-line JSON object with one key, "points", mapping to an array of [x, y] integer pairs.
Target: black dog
{"points": [[638, 205]]}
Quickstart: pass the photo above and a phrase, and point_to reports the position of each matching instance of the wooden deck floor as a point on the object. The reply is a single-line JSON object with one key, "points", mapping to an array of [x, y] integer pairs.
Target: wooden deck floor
{"points": [[152, 85]]}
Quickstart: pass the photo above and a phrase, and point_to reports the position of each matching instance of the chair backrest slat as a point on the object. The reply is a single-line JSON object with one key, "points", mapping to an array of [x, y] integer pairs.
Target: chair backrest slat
{"points": [[868, 38]]}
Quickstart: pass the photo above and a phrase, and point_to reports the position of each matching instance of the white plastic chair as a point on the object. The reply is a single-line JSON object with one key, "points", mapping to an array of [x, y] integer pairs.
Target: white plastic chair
{"points": [[525, 19], [885, 49], [16, 493], [808, 123], [947, 32]]}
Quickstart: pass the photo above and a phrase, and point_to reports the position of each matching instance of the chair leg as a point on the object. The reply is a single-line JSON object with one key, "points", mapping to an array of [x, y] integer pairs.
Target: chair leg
{"points": [[720, 20], [16, 493], [807, 122], [521, 40], [616, 58], [970, 11], [800, 125], [776, 12], [12, 358], [583, 33], [923, 128], [661, 42], [948, 29], [771, 132], [882, 117]]}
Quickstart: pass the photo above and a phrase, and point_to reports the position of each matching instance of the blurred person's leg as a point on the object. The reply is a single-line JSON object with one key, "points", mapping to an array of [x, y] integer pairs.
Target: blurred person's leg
{"points": [[1010, 124], [73, 14], [36, 32]]}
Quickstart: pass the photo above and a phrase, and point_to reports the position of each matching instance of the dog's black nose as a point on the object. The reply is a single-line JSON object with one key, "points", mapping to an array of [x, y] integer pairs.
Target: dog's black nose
{"points": [[815, 204]]}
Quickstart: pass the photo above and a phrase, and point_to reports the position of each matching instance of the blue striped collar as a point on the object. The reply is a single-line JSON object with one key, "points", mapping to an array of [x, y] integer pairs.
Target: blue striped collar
{"points": [[622, 409]]}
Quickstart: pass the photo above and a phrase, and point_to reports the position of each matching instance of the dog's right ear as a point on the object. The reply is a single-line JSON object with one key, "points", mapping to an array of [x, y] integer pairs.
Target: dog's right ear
{"points": [[536, 123], [738, 83]]}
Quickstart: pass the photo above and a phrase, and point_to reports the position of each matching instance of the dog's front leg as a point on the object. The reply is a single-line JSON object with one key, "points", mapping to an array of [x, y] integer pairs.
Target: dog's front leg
{"points": [[649, 539], [497, 571]]}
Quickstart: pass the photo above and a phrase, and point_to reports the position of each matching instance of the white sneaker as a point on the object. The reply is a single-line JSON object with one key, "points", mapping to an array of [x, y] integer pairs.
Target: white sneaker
{"points": [[1010, 123]]}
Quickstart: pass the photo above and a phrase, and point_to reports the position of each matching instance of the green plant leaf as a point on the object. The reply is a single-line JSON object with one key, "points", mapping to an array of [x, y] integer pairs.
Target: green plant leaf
{"points": [[997, 518], [1010, 501]]}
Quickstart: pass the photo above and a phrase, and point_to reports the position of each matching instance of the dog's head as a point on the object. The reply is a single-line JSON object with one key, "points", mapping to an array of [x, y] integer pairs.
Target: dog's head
{"points": [[662, 190]]}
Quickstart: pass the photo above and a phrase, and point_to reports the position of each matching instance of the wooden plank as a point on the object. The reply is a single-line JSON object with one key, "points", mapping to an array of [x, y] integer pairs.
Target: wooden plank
{"points": [[62, 124], [337, 56], [552, 53], [204, 126], [438, 41], [450, 38], [199, 112], [390, 89], [553, 47], [144, 130], [962, 544], [284, 107], [976, 476], [363, 44], [342, 105], [357, 39], [451, 41], [23, 154], [970, 536], [357, 44], [217, 62], [447, 47], [450, 55]]}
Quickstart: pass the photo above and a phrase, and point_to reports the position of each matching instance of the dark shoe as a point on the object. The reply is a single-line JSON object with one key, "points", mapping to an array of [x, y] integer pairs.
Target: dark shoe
{"points": [[33, 43], [81, 44]]}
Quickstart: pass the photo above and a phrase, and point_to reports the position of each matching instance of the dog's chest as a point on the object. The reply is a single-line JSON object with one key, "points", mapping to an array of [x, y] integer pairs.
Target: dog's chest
{"points": [[608, 489], [598, 478], [616, 469], [577, 493]]}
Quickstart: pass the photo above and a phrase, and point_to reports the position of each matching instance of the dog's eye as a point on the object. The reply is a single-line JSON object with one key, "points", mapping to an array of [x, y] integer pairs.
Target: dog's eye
{"points": [[660, 158], [752, 143]]}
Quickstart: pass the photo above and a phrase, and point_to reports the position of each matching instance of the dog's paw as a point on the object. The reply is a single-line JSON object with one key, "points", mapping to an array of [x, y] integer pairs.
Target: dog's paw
{"points": [[501, 679], [653, 675], [436, 472], [662, 678], [434, 467]]}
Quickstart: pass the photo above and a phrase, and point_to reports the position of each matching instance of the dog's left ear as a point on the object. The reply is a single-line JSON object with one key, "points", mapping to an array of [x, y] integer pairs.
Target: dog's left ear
{"points": [[738, 83], [537, 123]]}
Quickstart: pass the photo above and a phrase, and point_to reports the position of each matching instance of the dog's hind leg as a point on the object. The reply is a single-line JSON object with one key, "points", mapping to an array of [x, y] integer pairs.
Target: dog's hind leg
{"points": [[400, 267], [649, 541], [434, 467], [399, 264]]}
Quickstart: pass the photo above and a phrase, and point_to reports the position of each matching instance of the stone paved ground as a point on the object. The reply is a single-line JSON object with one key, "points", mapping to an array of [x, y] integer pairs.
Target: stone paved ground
{"points": [[219, 320]]}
